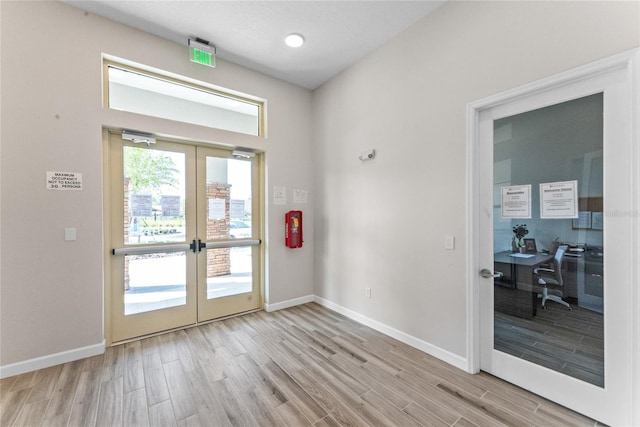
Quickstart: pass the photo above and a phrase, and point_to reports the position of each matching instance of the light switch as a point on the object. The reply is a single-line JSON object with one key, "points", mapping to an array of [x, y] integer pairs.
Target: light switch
{"points": [[69, 234], [449, 242]]}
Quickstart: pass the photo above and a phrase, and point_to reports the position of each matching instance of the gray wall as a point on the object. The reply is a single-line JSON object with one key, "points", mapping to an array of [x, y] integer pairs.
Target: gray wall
{"points": [[52, 120], [382, 224], [378, 224]]}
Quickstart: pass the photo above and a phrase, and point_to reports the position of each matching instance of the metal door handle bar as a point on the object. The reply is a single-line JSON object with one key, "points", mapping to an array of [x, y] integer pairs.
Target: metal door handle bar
{"points": [[139, 250], [232, 244]]}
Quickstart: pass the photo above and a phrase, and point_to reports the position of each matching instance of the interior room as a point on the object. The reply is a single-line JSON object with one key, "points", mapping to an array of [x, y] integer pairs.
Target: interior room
{"points": [[373, 316], [571, 322]]}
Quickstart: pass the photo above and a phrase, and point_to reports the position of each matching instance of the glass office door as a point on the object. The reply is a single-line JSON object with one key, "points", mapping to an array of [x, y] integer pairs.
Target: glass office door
{"points": [[548, 214], [551, 167]]}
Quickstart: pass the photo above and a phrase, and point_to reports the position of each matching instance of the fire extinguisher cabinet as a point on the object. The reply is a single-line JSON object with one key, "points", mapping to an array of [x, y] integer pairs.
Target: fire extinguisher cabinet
{"points": [[293, 229]]}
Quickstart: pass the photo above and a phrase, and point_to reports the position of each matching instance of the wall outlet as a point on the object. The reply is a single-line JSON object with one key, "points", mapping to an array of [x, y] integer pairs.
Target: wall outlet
{"points": [[367, 292]]}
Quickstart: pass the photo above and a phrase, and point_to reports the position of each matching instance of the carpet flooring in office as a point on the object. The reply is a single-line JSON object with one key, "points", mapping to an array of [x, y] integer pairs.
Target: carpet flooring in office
{"points": [[303, 366], [567, 341]]}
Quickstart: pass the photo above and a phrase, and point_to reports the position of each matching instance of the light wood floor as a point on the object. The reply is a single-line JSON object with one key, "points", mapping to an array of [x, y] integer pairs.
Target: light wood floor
{"points": [[297, 367], [567, 341]]}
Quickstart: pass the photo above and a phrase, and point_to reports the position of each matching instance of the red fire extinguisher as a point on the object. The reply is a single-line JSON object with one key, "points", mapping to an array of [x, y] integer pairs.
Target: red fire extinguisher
{"points": [[293, 229]]}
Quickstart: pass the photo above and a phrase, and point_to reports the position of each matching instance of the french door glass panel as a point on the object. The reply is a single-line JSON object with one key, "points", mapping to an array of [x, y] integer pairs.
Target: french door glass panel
{"points": [[155, 281], [153, 273], [229, 283], [154, 195]]}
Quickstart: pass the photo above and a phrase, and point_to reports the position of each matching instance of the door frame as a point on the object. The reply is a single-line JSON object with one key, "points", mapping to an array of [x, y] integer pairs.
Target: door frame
{"points": [[627, 62]]}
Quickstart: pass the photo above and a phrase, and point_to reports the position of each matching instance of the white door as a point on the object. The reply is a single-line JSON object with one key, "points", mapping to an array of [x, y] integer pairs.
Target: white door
{"points": [[554, 159]]}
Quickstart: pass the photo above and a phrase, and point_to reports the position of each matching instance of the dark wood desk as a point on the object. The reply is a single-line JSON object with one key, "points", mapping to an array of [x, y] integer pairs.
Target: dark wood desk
{"points": [[513, 293]]}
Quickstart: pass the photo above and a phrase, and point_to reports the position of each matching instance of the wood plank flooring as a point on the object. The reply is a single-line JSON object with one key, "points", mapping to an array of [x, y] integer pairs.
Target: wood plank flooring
{"points": [[304, 366], [567, 341]]}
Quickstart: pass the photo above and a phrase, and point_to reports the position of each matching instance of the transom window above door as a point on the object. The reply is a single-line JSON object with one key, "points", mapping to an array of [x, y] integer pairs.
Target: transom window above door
{"points": [[138, 91]]}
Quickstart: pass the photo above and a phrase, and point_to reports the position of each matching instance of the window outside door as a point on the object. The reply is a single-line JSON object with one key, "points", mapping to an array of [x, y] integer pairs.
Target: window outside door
{"points": [[184, 233]]}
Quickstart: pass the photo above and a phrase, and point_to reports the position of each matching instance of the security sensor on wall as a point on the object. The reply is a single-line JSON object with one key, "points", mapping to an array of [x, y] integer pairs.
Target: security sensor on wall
{"points": [[367, 155]]}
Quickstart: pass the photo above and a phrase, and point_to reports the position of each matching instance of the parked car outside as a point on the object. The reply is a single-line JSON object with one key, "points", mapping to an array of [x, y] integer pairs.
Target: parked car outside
{"points": [[239, 229]]}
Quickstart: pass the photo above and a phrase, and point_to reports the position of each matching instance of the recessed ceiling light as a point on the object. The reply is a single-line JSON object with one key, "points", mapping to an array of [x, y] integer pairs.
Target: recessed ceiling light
{"points": [[294, 40]]}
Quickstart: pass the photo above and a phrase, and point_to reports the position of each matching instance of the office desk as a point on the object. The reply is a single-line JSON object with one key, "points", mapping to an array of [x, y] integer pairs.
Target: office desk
{"points": [[513, 293]]}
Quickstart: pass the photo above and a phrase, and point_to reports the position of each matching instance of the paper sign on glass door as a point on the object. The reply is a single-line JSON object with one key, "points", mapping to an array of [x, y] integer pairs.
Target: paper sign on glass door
{"points": [[217, 209], [516, 201], [559, 199]]}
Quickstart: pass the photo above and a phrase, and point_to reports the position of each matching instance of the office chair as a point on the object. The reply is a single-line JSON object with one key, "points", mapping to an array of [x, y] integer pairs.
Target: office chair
{"points": [[550, 280]]}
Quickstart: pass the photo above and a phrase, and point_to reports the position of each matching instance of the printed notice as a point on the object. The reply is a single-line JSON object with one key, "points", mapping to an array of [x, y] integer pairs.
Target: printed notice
{"points": [[140, 205], [170, 205], [236, 209], [583, 220], [299, 196], [217, 209], [64, 180], [516, 201], [559, 200], [279, 195], [597, 220]]}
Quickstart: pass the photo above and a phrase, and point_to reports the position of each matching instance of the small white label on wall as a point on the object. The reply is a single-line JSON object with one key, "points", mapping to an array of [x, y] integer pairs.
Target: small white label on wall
{"points": [[64, 180], [279, 195], [299, 196]]}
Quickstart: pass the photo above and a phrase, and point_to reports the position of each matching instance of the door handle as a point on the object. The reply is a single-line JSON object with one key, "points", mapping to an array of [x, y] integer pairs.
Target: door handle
{"points": [[197, 246], [487, 274]]}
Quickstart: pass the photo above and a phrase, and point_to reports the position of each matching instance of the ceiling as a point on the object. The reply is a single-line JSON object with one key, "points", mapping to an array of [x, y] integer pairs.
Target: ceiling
{"points": [[251, 33]]}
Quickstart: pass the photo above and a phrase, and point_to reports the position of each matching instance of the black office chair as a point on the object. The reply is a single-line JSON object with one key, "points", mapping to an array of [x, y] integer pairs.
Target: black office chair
{"points": [[550, 280]]}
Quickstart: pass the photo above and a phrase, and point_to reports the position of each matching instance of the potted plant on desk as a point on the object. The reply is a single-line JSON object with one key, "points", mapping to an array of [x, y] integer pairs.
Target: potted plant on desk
{"points": [[519, 231]]}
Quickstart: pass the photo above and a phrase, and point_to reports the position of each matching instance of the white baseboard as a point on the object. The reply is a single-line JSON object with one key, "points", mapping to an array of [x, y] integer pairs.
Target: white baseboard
{"points": [[93, 350], [51, 360], [444, 355], [289, 303]]}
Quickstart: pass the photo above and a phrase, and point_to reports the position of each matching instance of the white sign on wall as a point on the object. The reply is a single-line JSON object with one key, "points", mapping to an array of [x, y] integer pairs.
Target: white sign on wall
{"points": [[279, 195], [300, 196], [64, 180]]}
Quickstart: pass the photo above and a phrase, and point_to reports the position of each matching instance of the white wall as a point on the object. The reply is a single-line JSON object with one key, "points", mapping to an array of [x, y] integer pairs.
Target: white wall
{"points": [[382, 224], [52, 119]]}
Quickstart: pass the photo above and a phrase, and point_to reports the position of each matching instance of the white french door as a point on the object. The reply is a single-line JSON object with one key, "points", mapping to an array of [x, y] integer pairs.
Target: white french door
{"points": [[529, 140], [184, 235]]}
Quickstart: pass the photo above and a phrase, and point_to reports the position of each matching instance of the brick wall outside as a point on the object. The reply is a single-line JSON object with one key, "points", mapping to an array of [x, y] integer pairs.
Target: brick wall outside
{"points": [[218, 260]]}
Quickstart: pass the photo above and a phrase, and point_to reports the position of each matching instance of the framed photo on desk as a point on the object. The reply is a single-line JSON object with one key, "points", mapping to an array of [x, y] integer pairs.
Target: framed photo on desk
{"points": [[530, 246]]}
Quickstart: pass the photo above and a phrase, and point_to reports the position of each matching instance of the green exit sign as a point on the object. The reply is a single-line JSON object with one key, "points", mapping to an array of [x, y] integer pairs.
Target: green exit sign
{"points": [[202, 57]]}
